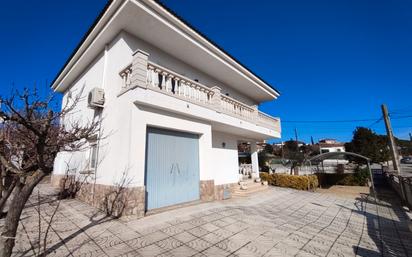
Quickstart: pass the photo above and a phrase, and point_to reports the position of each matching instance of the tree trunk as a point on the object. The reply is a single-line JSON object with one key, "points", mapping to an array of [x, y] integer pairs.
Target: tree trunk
{"points": [[6, 194], [17, 204]]}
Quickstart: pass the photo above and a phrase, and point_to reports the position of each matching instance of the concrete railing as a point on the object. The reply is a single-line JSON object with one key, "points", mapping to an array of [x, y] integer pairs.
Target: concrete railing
{"points": [[149, 75], [126, 75], [171, 83], [234, 107], [268, 121]]}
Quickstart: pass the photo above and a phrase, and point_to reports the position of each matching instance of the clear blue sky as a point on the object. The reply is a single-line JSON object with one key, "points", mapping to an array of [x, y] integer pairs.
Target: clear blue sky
{"points": [[331, 60]]}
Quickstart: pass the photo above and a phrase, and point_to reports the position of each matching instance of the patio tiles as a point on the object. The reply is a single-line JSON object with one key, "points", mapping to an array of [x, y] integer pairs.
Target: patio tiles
{"points": [[278, 222]]}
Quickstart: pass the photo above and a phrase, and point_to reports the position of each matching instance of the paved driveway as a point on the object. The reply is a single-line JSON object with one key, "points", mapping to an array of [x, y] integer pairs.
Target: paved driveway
{"points": [[278, 222]]}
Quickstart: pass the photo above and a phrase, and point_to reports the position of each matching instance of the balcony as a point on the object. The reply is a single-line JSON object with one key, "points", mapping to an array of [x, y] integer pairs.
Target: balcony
{"points": [[160, 79]]}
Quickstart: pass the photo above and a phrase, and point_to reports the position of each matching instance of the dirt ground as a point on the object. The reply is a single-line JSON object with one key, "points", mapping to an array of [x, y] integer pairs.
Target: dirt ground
{"points": [[345, 191]]}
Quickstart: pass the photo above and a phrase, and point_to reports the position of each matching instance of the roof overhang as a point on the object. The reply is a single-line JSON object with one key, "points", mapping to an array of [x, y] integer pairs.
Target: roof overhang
{"points": [[153, 23]]}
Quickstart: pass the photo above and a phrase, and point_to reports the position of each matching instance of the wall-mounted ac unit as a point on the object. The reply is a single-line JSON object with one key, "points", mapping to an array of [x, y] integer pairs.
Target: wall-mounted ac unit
{"points": [[96, 98]]}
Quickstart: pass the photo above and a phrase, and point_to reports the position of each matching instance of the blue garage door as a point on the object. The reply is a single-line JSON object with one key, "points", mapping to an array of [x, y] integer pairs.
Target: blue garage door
{"points": [[172, 168]]}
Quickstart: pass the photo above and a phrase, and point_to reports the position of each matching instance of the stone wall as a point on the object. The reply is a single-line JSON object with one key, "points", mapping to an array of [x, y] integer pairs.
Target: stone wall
{"points": [[128, 201], [207, 190], [131, 201], [225, 191], [57, 180]]}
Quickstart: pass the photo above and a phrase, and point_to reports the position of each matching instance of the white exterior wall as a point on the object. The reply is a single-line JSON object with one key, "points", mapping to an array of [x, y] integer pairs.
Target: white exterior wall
{"points": [[124, 124], [225, 161], [333, 149]]}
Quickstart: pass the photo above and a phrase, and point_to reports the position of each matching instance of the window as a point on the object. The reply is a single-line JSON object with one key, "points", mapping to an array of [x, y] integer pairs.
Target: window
{"points": [[324, 151], [338, 150], [93, 156]]}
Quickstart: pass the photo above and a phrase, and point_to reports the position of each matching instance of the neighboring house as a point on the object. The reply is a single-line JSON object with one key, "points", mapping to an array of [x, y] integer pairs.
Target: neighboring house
{"points": [[331, 145], [281, 144], [175, 107]]}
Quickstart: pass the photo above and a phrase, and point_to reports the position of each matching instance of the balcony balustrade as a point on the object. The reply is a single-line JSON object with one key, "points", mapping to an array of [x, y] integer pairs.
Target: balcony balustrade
{"points": [[166, 81]]}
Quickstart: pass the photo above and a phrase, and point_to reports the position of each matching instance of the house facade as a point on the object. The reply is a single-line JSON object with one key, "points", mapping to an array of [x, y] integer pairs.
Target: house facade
{"points": [[330, 145], [174, 110]]}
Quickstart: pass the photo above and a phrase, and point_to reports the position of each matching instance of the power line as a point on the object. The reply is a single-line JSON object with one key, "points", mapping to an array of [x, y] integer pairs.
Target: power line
{"points": [[400, 117], [345, 121], [376, 122]]}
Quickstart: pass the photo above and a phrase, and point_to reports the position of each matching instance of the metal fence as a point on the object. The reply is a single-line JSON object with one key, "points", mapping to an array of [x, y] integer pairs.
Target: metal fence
{"points": [[402, 186]]}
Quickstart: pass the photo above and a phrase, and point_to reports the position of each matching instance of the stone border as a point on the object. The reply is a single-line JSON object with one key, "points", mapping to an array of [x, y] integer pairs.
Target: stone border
{"points": [[132, 201], [207, 190], [224, 191]]}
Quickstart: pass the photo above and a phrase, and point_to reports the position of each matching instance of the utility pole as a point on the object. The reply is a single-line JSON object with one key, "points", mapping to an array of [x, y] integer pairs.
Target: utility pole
{"points": [[392, 144], [410, 137], [296, 138]]}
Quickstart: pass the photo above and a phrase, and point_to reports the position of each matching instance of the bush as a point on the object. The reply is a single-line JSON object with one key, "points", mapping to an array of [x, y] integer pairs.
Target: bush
{"points": [[359, 178], [292, 181]]}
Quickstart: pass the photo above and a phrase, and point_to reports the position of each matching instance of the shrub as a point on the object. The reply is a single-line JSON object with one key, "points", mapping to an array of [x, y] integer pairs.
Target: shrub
{"points": [[292, 181]]}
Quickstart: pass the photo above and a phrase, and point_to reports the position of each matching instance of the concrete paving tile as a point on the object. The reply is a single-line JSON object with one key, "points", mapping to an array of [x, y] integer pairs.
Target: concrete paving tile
{"points": [[223, 233], [185, 226], [185, 251], [229, 245], [213, 238], [215, 251], [150, 250], [199, 244], [209, 227], [169, 243], [155, 237], [184, 237], [137, 243], [172, 230], [198, 231], [117, 250]]}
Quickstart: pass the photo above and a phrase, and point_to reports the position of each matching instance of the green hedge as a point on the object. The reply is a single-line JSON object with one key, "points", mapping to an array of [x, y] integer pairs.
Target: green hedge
{"points": [[358, 178], [297, 182]]}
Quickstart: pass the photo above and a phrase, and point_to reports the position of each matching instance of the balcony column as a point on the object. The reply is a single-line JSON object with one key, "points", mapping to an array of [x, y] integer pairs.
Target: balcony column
{"points": [[255, 160], [139, 69], [216, 101]]}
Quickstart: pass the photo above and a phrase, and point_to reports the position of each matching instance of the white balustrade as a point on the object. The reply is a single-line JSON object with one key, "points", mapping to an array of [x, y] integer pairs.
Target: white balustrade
{"points": [[171, 83], [237, 108], [126, 75], [268, 121]]}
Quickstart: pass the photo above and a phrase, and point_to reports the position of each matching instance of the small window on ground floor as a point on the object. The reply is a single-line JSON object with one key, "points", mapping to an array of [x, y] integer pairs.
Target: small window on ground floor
{"points": [[93, 155]]}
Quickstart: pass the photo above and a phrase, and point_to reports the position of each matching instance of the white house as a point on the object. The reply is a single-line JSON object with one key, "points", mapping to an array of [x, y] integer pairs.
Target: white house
{"points": [[175, 108], [330, 145]]}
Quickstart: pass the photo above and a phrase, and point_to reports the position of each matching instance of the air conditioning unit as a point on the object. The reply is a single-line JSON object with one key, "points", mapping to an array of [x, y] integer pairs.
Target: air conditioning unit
{"points": [[96, 98]]}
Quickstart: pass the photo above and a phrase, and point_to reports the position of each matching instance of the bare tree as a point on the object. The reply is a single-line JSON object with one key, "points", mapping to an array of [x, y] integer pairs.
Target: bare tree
{"points": [[115, 201], [31, 137]]}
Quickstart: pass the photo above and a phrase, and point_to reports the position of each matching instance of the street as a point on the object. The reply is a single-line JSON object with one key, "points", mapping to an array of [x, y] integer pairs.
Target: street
{"points": [[406, 170]]}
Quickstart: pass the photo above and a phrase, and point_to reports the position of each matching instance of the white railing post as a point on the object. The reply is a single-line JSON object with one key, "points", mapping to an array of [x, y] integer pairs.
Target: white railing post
{"points": [[255, 114], [216, 98], [139, 69]]}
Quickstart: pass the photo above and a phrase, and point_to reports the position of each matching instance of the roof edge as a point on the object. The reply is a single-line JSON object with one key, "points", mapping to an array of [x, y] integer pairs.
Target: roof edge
{"points": [[167, 9]]}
